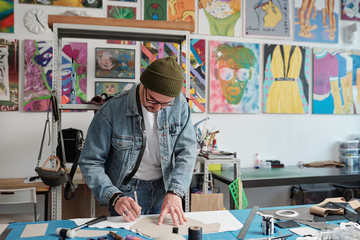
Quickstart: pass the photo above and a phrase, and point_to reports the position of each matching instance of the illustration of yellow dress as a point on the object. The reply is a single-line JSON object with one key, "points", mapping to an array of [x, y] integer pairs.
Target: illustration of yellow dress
{"points": [[284, 94]]}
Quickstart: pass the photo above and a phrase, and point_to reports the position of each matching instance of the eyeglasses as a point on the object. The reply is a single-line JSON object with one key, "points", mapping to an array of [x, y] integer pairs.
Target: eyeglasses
{"points": [[153, 101], [228, 74]]}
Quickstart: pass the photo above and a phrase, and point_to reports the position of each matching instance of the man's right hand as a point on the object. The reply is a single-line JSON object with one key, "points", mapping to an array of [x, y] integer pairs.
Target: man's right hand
{"points": [[128, 208]]}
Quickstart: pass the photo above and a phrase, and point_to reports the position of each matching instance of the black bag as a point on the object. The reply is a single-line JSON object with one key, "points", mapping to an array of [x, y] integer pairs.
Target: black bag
{"points": [[73, 141], [51, 176]]}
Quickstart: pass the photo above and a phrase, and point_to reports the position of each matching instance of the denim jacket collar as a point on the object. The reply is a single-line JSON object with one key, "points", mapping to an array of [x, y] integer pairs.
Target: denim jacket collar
{"points": [[131, 101]]}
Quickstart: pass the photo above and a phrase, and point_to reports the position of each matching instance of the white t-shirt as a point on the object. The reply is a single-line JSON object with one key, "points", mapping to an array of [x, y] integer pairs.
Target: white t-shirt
{"points": [[150, 166]]}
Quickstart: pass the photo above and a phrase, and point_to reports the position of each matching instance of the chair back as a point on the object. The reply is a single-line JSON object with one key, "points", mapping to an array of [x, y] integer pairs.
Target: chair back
{"points": [[17, 196]]}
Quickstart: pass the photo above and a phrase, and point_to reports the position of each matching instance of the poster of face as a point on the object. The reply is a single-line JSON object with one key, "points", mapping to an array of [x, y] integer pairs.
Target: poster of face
{"points": [[234, 77], [267, 18], [317, 21], [115, 63], [7, 16], [155, 10], [286, 79], [66, 3], [111, 88], [9, 71], [219, 17], [336, 77], [38, 74]]}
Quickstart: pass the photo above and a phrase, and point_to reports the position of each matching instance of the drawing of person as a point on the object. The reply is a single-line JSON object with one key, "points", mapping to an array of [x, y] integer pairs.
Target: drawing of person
{"points": [[287, 64], [329, 4], [222, 15], [234, 66], [104, 60], [346, 83], [304, 15], [110, 89], [326, 85]]}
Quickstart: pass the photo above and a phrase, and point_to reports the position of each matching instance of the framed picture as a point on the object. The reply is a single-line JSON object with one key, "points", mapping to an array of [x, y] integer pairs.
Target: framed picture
{"points": [[267, 19], [111, 88], [316, 21], [115, 63], [234, 77]]}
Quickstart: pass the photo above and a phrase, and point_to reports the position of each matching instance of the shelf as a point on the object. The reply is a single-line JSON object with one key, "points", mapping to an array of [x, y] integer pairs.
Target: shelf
{"points": [[79, 107], [119, 29]]}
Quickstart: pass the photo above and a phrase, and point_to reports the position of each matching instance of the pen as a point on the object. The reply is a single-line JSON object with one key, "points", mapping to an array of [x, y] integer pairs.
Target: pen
{"points": [[135, 196], [116, 236]]}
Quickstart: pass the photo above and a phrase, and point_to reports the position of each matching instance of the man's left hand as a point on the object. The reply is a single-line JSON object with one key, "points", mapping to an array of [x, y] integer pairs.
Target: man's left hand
{"points": [[173, 205]]}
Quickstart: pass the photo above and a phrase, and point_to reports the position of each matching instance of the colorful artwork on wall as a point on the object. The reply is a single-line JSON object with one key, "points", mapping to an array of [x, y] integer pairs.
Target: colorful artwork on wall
{"points": [[155, 10], [234, 77], [121, 13], [286, 79], [350, 10], [115, 63], [267, 18], [197, 99], [7, 16], [150, 51], [336, 77], [219, 17], [67, 3], [181, 10], [9, 75], [111, 88], [316, 21], [38, 74]]}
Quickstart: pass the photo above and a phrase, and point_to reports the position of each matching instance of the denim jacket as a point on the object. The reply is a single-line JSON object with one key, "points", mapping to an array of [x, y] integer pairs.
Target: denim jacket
{"points": [[114, 139]]}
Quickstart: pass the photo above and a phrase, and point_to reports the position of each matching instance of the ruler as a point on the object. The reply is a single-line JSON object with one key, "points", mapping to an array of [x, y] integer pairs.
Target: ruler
{"points": [[247, 223]]}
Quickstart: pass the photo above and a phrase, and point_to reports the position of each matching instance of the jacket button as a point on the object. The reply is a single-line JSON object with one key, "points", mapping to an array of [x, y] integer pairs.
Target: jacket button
{"points": [[119, 144]]}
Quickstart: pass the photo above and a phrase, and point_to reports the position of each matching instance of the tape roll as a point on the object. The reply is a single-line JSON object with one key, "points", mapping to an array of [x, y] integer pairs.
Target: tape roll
{"points": [[195, 233], [287, 213]]}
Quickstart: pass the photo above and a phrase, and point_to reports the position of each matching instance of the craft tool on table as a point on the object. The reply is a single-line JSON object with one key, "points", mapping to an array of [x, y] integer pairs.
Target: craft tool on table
{"points": [[70, 233], [195, 233], [247, 223], [115, 236]]}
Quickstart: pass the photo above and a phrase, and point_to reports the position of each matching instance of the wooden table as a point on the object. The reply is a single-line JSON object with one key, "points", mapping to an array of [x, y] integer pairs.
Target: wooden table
{"points": [[16, 183]]}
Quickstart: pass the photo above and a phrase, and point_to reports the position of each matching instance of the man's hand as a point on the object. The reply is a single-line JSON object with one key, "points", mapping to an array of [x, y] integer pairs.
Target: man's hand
{"points": [[128, 208], [173, 205]]}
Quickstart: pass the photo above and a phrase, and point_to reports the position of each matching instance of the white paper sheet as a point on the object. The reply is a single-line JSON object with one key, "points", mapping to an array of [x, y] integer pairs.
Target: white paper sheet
{"points": [[3, 227], [34, 230], [225, 218]]}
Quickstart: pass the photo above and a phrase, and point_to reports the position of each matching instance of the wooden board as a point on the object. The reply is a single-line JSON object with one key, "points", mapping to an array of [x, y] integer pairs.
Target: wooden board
{"points": [[169, 25]]}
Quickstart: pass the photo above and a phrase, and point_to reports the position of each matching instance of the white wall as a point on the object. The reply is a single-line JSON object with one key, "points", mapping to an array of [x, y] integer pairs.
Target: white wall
{"points": [[288, 137]]}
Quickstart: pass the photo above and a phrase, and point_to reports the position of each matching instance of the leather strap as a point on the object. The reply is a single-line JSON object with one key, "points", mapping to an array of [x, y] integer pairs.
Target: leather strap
{"points": [[53, 103], [143, 144]]}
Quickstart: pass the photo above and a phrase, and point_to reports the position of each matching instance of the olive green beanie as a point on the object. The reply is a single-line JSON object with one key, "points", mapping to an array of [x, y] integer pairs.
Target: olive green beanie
{"points": [[163, 76]]}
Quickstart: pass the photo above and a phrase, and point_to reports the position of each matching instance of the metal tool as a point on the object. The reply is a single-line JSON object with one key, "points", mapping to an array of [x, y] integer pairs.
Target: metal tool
{"points": [[247, 223], [273, 238]]}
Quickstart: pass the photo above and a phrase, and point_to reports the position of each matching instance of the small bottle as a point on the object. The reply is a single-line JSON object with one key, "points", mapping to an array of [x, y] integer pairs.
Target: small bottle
{"points": [[257, 162]]}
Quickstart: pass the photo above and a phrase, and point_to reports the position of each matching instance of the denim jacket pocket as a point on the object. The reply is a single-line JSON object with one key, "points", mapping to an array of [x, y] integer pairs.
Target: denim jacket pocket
{"points": [[174, 129], [123, 147]]}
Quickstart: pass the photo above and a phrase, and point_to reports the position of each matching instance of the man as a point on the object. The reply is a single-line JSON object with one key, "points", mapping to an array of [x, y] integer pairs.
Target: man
{"points": [[115, 138]]}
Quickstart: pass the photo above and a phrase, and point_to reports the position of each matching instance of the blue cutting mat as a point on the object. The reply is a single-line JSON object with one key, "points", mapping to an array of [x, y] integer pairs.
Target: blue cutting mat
{"points": [[18, 228]]}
